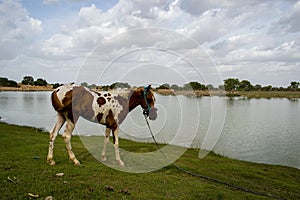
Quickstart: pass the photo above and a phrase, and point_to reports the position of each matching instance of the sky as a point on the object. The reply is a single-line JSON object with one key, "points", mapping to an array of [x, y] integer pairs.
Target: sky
{"points": [[153, 41]]}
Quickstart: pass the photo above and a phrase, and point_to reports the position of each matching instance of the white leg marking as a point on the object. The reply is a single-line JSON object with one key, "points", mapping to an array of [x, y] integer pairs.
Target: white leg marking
{"points": [[67, 139], [106, 140], [53, 134], [117, 152]]}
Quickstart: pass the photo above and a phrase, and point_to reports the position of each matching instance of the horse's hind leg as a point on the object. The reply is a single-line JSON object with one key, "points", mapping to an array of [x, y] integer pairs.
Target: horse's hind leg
{"points": [[53, 133], [67, 139], [106, 140]]}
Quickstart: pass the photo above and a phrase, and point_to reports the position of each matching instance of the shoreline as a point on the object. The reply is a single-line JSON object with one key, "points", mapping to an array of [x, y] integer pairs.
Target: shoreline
{"points": [[245, 94], [26, 88], [194, 93]]}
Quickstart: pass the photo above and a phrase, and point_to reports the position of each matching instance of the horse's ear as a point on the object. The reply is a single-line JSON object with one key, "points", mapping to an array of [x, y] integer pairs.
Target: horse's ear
{"points": [[148, 88]]}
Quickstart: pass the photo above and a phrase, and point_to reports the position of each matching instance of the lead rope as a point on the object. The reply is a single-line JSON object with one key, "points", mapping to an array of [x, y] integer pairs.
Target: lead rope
{"points": [[207, 177]]}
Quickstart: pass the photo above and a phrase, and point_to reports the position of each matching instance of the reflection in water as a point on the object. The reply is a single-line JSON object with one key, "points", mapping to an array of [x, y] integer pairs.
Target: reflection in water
{"points": [[260, 130]]}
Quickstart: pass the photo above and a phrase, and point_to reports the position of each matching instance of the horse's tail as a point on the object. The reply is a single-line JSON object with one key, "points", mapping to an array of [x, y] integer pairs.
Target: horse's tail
{"points": [[56, 103], [62, 104]]}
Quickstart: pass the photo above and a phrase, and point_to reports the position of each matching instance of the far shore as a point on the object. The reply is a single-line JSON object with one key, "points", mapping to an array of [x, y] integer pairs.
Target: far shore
{"points": [[192, 93], [27, 88], [246, 94]]}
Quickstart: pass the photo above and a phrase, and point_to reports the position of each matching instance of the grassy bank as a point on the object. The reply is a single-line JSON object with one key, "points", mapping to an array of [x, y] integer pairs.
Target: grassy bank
{"points": [[24, 170], [269, 94]]}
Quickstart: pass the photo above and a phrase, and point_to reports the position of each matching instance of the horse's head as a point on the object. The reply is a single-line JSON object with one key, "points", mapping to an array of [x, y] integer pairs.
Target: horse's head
{"points": [[147, 102]]}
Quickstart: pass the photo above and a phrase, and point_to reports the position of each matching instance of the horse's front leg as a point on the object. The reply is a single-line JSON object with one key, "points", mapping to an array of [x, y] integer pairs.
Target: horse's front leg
{"points": [[116, 144], [106, 140], [67, 139]]}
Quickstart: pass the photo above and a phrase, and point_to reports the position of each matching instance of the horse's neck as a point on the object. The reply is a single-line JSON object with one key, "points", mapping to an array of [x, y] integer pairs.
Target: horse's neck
{"points": [[134, 99]]}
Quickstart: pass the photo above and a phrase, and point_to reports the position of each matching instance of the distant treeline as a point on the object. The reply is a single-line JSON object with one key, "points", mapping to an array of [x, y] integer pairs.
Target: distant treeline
{"points": [[4, 82], [234, 84], [27, 80], [230, 84]]}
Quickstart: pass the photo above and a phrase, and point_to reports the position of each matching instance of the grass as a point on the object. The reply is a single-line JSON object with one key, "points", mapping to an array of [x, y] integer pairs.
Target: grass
{"points": [[24, 170]]}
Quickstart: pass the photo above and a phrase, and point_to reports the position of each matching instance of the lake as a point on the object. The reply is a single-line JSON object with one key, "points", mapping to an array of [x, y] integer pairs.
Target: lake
{"points": [[257, 130]]}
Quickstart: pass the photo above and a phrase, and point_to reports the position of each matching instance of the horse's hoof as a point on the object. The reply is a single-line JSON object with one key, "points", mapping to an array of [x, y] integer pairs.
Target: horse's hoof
{"points": [[51, 162], [121, 164], [75, 161], [103, 158]]}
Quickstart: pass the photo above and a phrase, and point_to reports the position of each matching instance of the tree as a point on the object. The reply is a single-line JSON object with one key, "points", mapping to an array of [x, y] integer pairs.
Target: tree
{"points": [[7, 83], [257, 87], [28, 80], [231, 84], [164, 86], [119, 85], [85, 84], [40, 82], [197, 86], [245, 85], [93, 86], [11, 83], [56, 85], [3, 81], [105, 87], [267, 88], [175, 87], [294, 85], [187, 86], [221, 87], [210, 87]]}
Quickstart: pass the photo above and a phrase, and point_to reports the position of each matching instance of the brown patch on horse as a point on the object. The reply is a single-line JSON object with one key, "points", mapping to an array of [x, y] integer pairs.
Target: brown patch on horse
{"points": [[110, 121], [101, 101], [135, 97], [81, 103], [99, 117]]}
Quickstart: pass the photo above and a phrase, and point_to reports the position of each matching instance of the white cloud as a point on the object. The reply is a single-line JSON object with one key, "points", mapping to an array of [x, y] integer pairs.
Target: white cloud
{"points": [[256, 48], [50, 1], [58, 45], [95, 26], [290, 20], [17, 29], [259, 58], [91, 16], [236, 7]]}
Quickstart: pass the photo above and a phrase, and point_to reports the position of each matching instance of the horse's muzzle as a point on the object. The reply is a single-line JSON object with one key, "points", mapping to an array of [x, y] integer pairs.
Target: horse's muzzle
{"points": [[152, 113]]}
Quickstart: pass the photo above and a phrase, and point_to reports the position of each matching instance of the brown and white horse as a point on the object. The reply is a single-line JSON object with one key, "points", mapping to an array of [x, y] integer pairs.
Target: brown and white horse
{"points": [[110, 109]]}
